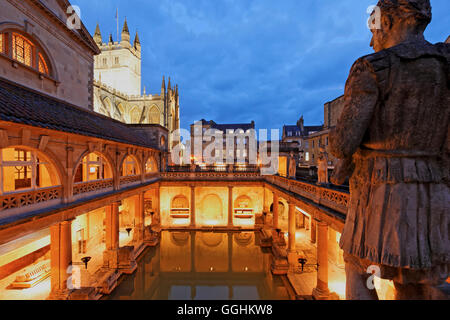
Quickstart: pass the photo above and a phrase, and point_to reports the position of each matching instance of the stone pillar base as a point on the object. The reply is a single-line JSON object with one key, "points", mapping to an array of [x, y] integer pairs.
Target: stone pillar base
{"points": [[293, 258], [319, 294], [59, 295], [111, 259], [127, 262]]}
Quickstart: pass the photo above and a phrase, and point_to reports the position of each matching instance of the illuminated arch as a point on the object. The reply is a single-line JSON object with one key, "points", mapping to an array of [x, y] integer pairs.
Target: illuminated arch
{"points": [[93, 166], [180, 202], [211, 209], [151, 165], [25, 168], [130, 166], [243, 202]]}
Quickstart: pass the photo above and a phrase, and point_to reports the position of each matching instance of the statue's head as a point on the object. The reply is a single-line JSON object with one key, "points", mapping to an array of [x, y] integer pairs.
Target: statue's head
{"points": [[399, 20]]}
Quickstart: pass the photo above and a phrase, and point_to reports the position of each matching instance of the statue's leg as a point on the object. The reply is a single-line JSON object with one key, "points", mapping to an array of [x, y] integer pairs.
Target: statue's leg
{"points": [[356, 284]]}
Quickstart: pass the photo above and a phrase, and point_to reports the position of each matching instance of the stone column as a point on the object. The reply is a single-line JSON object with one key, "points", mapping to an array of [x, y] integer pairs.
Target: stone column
{"points": [[111, 255], [275, 211], [321, 292], [313, 230], [156, 219], [292, 253], [230, 207], [139, 218], [192, 211], [61, 259]]}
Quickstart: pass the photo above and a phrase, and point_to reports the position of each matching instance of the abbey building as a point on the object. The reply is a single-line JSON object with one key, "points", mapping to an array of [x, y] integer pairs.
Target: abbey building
{"points": [[117, 85]]}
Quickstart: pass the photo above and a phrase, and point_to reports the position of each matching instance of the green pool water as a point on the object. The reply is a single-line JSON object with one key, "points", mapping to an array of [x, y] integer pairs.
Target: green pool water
{"points": [[203, 266]]}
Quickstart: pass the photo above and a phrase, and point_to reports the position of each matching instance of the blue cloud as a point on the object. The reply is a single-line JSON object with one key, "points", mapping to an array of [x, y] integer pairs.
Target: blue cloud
{"points": [[242, 60]]}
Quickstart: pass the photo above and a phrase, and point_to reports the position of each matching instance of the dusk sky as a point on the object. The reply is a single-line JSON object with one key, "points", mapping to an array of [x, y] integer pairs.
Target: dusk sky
{"points": [[241, 60]]}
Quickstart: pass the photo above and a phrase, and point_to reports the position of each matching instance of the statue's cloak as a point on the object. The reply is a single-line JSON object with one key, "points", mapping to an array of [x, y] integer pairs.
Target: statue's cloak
{"points": [[395, 129]]}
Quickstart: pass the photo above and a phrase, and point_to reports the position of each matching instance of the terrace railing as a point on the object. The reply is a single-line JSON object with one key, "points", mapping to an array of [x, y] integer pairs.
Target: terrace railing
{"points": [[92, 186], [328, 197], [30, 197]]}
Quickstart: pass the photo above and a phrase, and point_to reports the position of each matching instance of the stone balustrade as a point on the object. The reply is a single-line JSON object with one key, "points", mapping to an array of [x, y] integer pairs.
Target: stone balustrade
{"points": [[336, 200], [29, 197], [85, 187]]}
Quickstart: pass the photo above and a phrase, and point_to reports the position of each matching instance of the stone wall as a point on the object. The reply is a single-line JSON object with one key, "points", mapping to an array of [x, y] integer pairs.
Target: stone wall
{"points": [[70, 60]]}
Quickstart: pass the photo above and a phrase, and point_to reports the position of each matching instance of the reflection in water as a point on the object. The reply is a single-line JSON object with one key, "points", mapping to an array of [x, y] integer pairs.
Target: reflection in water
{"points": [[203, 266]]}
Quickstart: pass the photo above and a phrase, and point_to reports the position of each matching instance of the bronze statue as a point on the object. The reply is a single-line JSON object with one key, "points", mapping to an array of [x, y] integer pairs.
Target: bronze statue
{"points": [[393, 141]]}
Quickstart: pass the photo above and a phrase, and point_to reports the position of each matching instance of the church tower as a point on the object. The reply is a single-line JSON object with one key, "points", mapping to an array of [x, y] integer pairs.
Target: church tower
{"points": [[119, 64]]}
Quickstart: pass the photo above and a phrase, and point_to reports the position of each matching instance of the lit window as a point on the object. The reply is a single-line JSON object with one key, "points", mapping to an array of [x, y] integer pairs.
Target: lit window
{"points": [[24, 170], [129, 167], [43, 68], [1, 43], [93, 167], [22, 50], [151, 166]]}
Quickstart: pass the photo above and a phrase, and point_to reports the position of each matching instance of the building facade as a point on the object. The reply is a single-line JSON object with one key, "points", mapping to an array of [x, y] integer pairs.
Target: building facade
{"points": [[117, 86], [241, 135]]}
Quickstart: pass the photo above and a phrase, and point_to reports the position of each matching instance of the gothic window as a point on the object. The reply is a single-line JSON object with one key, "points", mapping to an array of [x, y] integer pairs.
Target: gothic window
{"points": [[154, 115], [135, 116], [116, 60], [24, 170]]}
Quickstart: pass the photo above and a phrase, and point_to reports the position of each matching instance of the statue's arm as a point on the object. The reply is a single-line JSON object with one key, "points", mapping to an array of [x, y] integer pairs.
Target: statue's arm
{"points": [[360, 99]]}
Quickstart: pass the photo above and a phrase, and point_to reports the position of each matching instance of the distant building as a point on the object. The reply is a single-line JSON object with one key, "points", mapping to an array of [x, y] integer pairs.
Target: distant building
{"points": [[448, 40], [241, 143], [299, 133], [332, 111], [117, 86]]}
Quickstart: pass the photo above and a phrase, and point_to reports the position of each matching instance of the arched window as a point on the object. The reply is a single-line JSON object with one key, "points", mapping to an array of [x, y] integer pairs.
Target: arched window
{"points": [[2, 43], [129, 167], [135, 115], [25, 170], [24, 50], [93, 167], [154, 115]]}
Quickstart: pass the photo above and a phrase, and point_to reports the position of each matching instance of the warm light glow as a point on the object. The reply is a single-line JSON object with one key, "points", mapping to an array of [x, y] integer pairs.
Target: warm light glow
{"points": [[338, 287], [180, 222], [211, 222], [245, 222], [338, 237]]}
